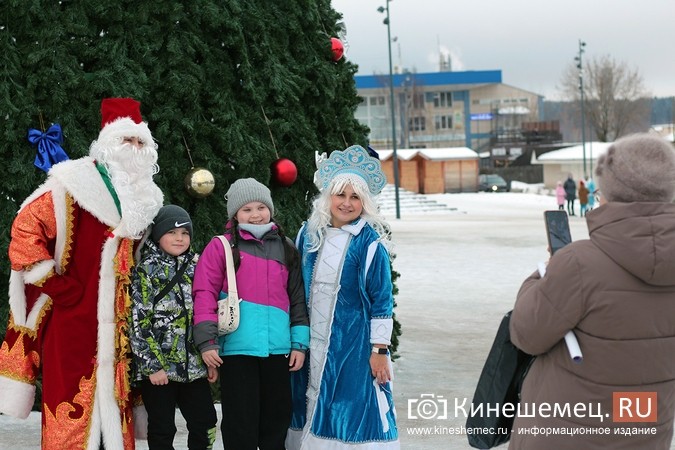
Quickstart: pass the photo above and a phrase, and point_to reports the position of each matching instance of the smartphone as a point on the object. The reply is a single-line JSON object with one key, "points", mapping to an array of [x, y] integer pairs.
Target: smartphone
{"points": [[557, 229]]}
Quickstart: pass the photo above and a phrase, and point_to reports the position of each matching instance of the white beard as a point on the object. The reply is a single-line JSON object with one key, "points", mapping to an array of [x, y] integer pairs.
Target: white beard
{"points": [[131, 171]]}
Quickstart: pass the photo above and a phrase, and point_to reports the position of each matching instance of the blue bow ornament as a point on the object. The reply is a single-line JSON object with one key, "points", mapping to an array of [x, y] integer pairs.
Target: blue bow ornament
{"points": [[49, 151]]}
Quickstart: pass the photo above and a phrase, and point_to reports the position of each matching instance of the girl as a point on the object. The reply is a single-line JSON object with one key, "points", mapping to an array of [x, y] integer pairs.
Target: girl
{"points": [[560, 196], [273, 332], [346, 268]]}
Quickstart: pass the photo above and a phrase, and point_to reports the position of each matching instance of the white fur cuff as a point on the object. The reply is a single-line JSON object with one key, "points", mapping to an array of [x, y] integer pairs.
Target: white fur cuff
{"points": [[38, 271], [380, 331], [16, 398]]}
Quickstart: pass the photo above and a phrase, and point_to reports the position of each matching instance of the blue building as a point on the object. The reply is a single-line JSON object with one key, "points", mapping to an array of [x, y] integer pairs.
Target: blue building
{"points": [[446, 109]]}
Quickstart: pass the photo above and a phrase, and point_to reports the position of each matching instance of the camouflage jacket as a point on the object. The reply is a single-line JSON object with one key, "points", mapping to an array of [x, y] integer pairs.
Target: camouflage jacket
{"points": [[161, 328]]}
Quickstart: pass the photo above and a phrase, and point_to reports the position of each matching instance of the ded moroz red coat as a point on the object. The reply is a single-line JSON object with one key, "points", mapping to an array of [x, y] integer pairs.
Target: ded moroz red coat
{"points": [[616, 291], [68, 321]]}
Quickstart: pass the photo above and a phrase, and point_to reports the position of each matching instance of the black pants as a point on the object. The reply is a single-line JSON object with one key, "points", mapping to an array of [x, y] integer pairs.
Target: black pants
{"points": [[570, 206], [256, 402], [195, 403]]}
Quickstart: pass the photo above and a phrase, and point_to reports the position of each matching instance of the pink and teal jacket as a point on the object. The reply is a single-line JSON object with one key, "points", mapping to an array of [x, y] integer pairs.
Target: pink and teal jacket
{"points": [[273, 309]]}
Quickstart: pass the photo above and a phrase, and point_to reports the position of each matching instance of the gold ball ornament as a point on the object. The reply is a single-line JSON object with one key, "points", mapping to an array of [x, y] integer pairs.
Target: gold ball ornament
{"points": [[199, 182]]}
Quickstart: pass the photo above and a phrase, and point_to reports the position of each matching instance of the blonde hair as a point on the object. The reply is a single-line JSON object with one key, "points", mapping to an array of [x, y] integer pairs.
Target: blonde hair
{"points": [[320, 218]]}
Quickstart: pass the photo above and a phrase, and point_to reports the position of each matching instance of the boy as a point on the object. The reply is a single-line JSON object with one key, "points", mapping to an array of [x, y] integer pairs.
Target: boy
{"points": [[166, 361]]}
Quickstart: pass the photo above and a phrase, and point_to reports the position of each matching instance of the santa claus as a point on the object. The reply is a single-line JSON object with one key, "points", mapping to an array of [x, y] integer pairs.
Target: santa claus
{"points": [[71, 253]]}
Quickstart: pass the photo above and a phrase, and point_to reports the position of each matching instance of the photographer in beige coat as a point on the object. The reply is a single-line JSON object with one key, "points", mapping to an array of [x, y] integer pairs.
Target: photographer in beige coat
{"points": [[616, 291]]}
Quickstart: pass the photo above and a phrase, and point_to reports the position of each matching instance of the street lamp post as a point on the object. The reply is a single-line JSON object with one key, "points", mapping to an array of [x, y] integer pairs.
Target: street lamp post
{"points": [[394, 157], [581, 91]]}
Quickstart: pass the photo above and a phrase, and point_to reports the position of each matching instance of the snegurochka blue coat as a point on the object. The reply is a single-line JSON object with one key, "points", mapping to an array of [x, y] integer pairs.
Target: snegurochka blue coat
{"points": [[337, 403]]}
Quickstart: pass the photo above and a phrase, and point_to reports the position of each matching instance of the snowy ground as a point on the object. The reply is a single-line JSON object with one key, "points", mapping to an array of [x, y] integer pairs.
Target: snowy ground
{"points": [[460, 273]]}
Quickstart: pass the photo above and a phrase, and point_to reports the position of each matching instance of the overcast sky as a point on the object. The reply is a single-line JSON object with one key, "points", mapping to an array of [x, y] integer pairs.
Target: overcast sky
{"points": [[530, 41]]}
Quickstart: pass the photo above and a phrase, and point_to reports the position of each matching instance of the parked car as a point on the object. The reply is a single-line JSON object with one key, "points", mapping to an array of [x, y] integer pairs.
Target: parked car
{"points": [[492, 183]]}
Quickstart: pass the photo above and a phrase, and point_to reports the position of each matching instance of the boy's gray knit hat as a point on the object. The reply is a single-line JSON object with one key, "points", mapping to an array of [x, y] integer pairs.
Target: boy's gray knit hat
{"points": [[637, 168], [168, 218], [247, 190]]}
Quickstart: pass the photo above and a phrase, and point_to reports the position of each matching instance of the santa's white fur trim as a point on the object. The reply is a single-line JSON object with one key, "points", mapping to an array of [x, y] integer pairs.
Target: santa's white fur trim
{"points": [[38, 271], [17, 302], [34, 314], [125, 127], [106, 418], [81, 179], [16, 397]]}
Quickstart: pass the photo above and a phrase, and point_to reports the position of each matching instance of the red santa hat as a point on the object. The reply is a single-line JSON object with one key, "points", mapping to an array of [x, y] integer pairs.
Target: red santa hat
{"points": [[121, 117]]}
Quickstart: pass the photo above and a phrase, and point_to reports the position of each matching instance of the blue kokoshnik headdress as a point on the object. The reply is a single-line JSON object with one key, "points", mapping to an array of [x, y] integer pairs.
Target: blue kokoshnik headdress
{"points": [[351, 161]]}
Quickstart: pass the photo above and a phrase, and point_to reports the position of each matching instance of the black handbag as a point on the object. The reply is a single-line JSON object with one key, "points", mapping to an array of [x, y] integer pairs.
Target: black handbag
{"points": [[499, 384]]}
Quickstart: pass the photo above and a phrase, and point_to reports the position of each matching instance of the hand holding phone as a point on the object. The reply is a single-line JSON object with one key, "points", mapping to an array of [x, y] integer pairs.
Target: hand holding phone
{"points": [[558, 234], [557, 230]]}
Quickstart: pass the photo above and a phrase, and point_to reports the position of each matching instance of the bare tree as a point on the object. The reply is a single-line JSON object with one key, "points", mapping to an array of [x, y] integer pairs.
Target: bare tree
{"points": [[615, 100]]}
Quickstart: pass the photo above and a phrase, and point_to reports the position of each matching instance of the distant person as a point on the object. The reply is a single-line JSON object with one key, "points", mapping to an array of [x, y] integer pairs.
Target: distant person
{"points": [[616, 292], [583, 198], [166, 361], [560, 195], [592, 192], [570, 194], [256, 359], [343, 398]]}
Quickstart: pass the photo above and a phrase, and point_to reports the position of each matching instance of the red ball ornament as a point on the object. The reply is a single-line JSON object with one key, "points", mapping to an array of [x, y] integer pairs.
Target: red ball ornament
{"points": [[284, 172], [338, 49]]}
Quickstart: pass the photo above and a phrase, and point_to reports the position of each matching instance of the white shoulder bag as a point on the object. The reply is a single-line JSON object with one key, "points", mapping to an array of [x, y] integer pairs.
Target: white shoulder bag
{"points": [[228, 307]]}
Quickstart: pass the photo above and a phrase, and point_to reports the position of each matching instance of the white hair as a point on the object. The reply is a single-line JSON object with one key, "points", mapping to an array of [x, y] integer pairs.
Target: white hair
{"points": [[131, 171], [320, 218]]}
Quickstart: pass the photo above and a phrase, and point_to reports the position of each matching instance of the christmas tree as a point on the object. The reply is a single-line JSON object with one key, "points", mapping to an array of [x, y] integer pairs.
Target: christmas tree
{"points": [[230, 87]]}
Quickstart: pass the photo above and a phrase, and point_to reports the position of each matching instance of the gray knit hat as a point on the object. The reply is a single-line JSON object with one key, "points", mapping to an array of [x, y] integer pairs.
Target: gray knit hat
{"points": [[637, 168], [247, 190], [168, 218]]}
